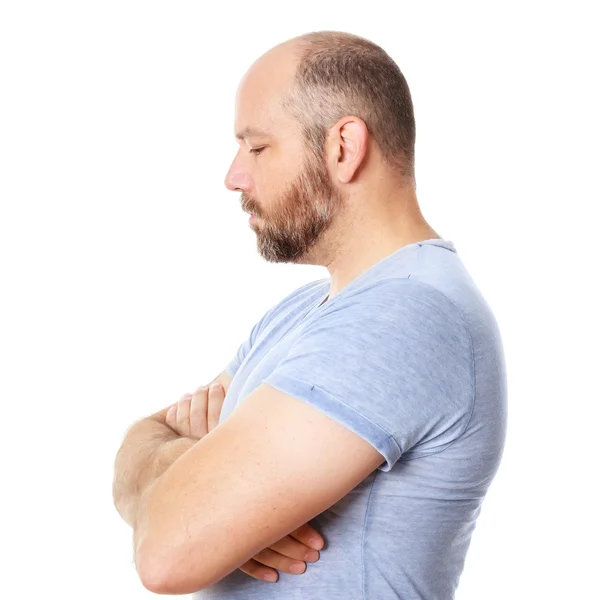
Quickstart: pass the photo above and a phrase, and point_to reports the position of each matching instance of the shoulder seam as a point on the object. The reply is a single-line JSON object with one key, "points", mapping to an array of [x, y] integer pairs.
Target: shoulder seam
{"points": [[472, 363]]}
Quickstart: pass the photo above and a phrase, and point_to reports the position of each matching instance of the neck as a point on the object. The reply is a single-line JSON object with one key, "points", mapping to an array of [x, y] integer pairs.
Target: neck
{"points": [[369, 231]]}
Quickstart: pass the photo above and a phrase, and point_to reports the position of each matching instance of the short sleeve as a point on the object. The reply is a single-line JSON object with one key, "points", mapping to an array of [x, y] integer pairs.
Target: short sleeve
{"points": [[393, 363], [245, 347]]}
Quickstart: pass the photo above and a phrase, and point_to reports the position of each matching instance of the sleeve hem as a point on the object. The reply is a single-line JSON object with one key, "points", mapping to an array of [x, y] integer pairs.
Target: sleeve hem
{"points": [[341, 412]]}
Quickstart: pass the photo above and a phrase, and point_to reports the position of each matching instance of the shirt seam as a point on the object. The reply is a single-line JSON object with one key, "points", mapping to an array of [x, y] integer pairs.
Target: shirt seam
{"points": [[472, 360], [472, 365], [389, 437], [362, 543]]}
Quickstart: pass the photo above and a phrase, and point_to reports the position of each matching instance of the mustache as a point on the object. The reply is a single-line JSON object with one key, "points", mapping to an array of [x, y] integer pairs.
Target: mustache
{"points": [[249, 205]]}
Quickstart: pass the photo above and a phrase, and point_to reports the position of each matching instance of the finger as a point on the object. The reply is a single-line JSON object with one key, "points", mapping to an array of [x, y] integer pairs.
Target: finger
{"points": [[278, 561], [216, 397], [309, 535], [198, 426], [183, 417], [171, 417], [292, 548], [258, 571]]}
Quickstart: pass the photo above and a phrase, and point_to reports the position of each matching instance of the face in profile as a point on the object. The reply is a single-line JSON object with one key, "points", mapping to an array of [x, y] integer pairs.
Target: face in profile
{"points": [[284, 184]]}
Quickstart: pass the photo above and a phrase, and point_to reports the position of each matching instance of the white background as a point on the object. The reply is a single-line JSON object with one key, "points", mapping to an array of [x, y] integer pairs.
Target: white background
{"points": [[130, 275]]}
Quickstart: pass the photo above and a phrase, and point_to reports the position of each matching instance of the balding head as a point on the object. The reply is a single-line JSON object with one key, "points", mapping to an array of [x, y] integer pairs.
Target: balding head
{"points": [[320, 118], [319, 77], [270, 76]]}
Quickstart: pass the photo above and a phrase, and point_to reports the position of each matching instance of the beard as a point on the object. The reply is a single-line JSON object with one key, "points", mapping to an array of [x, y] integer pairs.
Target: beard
{"points": [[300, 215]]}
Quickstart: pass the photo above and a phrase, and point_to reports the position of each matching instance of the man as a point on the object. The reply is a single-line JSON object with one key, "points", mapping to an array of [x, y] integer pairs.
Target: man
{"points": [[369, 406]]}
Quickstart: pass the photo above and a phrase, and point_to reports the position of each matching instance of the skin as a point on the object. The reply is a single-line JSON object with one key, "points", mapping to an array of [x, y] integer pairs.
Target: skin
{"points": [[345, 211], [197, 414]]}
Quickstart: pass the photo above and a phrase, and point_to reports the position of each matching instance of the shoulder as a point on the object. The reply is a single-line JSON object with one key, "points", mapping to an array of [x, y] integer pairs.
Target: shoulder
{"points": [[398, 298]]}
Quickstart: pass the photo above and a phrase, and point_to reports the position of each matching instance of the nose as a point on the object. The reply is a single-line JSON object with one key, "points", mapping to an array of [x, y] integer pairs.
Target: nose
{"points": [[237, 178]]}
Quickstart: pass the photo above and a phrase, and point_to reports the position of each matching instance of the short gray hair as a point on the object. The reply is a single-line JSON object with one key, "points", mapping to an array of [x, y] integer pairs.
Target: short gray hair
{"points": [[340, 74]]}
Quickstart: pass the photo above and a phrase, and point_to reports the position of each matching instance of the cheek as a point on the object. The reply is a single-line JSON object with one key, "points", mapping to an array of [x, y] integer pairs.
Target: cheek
{"points": [[274, 176], [266, 187]]}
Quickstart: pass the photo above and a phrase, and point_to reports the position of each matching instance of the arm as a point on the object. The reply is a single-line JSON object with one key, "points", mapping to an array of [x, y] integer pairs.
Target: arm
{"points": [[150, 447], [270, 467], [190, 420]]}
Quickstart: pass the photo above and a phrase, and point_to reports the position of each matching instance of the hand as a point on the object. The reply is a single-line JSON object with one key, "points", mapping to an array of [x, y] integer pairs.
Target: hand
{"points": [[197, 414], [291, 550]]}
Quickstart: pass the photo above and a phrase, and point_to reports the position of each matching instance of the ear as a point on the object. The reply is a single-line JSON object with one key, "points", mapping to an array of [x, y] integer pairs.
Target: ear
{"points": [[347, 147]]}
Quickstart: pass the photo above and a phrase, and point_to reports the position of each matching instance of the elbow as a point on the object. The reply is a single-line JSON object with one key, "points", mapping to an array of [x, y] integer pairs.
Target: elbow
{"points": [[152, 573], [164, 576], [152, 580]]}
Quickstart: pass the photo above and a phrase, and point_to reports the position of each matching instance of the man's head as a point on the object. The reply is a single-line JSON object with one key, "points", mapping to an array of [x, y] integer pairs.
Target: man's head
{"points": [[316, 117]]}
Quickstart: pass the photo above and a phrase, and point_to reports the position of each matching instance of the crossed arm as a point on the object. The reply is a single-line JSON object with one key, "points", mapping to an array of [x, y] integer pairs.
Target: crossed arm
{"points": [[275, 463], [150, 447]]}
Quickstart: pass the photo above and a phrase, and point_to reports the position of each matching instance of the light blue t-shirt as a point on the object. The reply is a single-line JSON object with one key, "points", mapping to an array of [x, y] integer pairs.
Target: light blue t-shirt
{"points": [[408, 356]]}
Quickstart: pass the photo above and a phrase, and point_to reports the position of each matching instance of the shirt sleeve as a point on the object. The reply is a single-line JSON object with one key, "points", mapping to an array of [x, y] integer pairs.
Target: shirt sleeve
{"points": [[392, 362]]}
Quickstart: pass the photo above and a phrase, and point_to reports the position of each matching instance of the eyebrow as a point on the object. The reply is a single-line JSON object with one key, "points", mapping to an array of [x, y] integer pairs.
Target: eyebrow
{"points": [[250, 132]]}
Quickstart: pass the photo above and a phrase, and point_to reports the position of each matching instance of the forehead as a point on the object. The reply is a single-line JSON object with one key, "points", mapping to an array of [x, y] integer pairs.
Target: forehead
{"points": [[258, 110]]}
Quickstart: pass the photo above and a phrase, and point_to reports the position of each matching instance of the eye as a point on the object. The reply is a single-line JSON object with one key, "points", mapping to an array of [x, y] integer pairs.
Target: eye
{"points": [[256, 151]]}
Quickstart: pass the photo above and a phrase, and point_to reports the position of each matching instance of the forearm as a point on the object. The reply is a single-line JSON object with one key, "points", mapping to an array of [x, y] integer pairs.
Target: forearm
{"points": [[150, 447]]}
